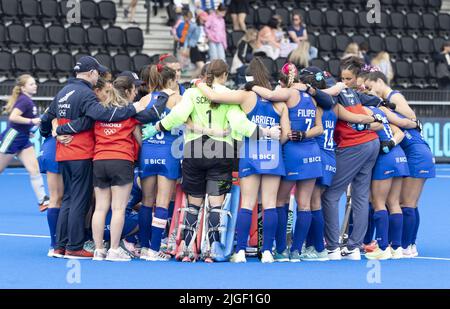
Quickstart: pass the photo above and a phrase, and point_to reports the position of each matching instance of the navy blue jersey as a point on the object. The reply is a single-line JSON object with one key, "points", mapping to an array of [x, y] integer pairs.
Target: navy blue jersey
{"points": [[303, 115], [385, 134], [326, 140]]}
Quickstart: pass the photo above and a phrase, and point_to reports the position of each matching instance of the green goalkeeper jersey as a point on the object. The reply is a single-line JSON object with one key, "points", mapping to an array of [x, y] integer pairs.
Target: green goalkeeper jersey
{"points": [[197, 106]]}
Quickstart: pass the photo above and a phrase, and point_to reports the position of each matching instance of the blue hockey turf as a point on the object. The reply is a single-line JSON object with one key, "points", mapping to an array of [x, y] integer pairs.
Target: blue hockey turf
{"points": [[24, 264]]}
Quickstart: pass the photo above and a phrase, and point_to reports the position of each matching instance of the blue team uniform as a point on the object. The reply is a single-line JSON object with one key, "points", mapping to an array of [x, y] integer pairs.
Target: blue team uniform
{"points": [[393, 163], [47, 156], [156, 157], [420, 158], [302, 159], [327, 147], [262, 156]]}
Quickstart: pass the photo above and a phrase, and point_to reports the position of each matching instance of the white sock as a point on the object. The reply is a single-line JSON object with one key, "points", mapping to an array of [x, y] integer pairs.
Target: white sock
{"points": [[37, 182]]}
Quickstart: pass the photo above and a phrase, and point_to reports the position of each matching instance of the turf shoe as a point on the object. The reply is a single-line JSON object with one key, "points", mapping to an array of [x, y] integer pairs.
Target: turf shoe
{"points": [[238, 257], [379, 254], [313, 255], [117, 255], [78, 254], [397, 253], [99, 255], [294, 256], [281, 257], [267, 257]]}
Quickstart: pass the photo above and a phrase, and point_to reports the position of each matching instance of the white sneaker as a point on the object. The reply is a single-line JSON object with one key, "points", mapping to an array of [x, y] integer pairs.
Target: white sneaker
{"points": [[99, 254], [334, 255], [144, 253], [397, 253], [50, 253], [153, 255], [407, 253], [267, 257], [238, 257], [353, 255], [117, 255], [414, 251]]}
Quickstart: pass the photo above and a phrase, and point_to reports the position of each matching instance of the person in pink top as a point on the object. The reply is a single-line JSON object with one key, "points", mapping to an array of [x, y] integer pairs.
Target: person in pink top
{"points": [[217, 35]]}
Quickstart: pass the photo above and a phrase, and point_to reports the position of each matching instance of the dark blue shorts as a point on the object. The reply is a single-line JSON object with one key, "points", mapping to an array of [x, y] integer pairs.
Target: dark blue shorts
{"points": [[328, 168], [390, 165], [420, 161], [13, 141], [47, 157]]}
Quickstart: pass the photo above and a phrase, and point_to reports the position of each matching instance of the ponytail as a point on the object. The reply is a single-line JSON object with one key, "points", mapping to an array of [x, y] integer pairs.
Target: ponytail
{"points": [[215, 69], [17, 90], [154, 80], [117, 96]]}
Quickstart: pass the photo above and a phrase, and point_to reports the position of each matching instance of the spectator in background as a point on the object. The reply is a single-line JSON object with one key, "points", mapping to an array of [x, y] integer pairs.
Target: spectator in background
{"points": [[216, 33], [197, 42], [298, 34], [300, 56], [245, 47], [443, 67], [268, 41], [211, 5], [130, 11], [383, 61], [352, 50], [180, 31], [364, 49], [239, 10]]}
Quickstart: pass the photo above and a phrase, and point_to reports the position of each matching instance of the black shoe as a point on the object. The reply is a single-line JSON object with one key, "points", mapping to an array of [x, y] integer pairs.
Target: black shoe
{"points": [[155, 10], [125, 13]]}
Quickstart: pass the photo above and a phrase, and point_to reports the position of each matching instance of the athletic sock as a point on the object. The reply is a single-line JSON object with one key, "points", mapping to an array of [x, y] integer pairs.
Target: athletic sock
{"points": [[269, 228], [302, 225], [244, 222], [169, 219], [280, 235], [381, 220], [191, 221], [395, 230], [350, 223], [409, 223], [214, 222], [145, 225], [317, 230], [37, 182], [158, 225], [416, 227], [52, 219], [370, 227]]}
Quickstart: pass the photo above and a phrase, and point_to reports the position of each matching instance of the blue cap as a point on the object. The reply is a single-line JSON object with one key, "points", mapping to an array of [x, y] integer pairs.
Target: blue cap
{"points": [[133, 76], [88, 63]]}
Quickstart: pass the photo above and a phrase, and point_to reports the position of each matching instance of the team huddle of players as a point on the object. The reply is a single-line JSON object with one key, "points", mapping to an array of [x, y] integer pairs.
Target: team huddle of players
{"points": [[297, 149]]}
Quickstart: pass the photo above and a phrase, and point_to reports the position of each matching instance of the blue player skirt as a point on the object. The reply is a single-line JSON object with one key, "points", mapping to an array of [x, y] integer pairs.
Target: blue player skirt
{"points": [[262, 157], [328, 168], [13, 141], [158, 160], [420, 161], [302, 160], [47, 157], [392, 164]]}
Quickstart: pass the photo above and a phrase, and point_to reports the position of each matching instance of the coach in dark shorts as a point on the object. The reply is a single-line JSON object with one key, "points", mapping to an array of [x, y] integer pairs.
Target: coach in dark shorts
{"points": [[239, 9]]}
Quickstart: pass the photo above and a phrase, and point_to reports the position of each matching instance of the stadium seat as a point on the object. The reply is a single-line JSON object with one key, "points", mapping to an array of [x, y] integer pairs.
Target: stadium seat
{"points": [[387, 5], [6, 68], [315, 18], [63, 64], [434, 5], [429, 22], [342, 42], [402, 5], [444, 24], [290, 5], [334, 67], [320, 63], [349, 21], [76, 37], [358, 39], [437, 44], [107, 12], [29, 10], [402, 72], [10, 9], [121, 62], [392, 44], [78, 56], [364, 26], [408, 46], [280, 62], [139, 61], [134, 39], [95, 38], [397, 23], [43, 64], [270, 65], [420, 74], [326, 44], [332, 20], [383, 26], [235, 37], [264, 14], [250, 19], [339, 4], [3, 40], [424, 46], [49, 11], [285, 16], [114, 38], [56, 35], [413, 22], [312, 38], [63, 9], [49, 88], [376, 44], [23, 62], [104, 59], [89, 12], [418, 5], [356, 5], [17, 35], [36, 36]]}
